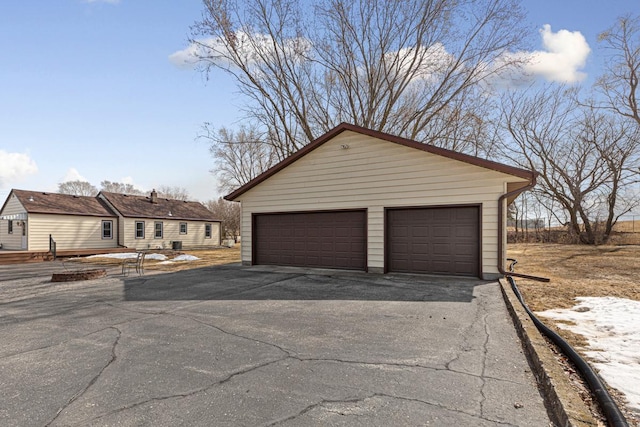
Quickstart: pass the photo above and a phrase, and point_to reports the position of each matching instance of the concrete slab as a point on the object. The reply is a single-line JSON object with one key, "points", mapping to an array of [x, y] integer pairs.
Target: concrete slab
{"points": [[233, 346]]}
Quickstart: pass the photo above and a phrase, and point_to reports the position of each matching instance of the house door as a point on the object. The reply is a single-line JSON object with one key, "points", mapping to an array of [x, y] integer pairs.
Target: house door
{"points": [[24, 235]]}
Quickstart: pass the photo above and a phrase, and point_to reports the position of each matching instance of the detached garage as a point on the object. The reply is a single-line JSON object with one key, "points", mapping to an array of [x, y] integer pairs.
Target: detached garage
{"points": [[364, 200]]}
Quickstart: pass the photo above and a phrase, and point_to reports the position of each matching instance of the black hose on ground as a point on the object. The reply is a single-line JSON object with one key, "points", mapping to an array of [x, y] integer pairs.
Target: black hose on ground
{"points": [[611, 411]]}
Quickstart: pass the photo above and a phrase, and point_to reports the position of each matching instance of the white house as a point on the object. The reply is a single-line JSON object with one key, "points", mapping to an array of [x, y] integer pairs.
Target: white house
{"points": [[110, 220]]}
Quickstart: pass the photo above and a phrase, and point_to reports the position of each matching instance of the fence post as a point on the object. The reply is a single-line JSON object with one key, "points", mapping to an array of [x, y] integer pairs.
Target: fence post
{"points": [[52, 246]]}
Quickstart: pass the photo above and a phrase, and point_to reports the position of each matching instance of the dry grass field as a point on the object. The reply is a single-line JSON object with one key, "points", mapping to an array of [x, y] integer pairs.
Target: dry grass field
{"points": [[576, 270], [208, 257]]}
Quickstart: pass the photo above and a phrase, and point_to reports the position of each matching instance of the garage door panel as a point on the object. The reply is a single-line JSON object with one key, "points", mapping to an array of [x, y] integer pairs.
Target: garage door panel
{"points": [[464, 230], [421, 231], [420, 249], [358, 232], [400, 248], [465, 251], [437, 240], [314, 239], [465, 268], [440, 231], [441, 249], [399, 231]]}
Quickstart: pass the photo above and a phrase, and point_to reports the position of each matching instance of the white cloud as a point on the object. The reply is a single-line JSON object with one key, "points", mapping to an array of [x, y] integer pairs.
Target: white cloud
{"points": [[565, 55], [73, 175], [14, 167], [188, 57], [127, 180], [434, 60], [562, 58], [251, 47]]}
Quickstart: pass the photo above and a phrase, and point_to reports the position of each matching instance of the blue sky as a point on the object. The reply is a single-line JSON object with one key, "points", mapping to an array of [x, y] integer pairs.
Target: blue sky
{"points": [[87, 88]]}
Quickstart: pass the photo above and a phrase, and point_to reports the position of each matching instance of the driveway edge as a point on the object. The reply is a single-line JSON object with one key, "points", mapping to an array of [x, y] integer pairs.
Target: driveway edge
{"points": [[564, 403]]}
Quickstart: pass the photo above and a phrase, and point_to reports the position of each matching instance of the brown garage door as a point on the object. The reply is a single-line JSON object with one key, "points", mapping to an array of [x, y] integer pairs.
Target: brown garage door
{"points": [[443, 240], [335, 239]]}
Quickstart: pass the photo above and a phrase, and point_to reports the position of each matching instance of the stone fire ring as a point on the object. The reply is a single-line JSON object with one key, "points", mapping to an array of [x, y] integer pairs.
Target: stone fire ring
{"points": [[72, 276]]}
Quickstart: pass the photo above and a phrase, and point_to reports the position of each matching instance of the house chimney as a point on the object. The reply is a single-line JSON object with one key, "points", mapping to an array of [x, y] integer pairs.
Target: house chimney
{"points": [[154, 196]]}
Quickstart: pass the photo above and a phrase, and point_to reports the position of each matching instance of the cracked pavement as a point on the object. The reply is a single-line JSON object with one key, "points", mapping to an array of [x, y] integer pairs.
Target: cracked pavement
{"points": [[249, 346]]}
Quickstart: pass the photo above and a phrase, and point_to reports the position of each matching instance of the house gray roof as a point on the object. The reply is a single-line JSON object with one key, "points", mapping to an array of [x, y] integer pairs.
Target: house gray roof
{"points": [[61, 204], [143, 207]]}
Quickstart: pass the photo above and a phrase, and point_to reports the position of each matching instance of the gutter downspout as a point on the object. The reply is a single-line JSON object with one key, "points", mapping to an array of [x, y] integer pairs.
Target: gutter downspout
{"points": [[501, 258]]}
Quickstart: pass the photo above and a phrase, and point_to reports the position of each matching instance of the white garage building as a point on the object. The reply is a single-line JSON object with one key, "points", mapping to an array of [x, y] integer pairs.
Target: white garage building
{"points": [[365, 200]]}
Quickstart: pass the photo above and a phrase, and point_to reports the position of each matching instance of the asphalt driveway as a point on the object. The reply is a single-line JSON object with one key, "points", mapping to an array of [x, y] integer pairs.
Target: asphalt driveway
{"points": [[235, 346]]}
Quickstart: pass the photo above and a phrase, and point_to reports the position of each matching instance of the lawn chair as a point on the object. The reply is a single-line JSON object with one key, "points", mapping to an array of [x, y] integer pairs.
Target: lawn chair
{"points": [[130, 263]]}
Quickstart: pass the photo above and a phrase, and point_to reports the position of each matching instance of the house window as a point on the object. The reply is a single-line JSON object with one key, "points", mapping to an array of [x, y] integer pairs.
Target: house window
{"points": [[107, 229], [207, 231], [139, 229], [158, 230], [183, 228], [10, 226]]}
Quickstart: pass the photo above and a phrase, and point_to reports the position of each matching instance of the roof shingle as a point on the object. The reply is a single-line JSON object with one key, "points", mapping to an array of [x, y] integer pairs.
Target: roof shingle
{"points": [[141, 207], [61, 204]]}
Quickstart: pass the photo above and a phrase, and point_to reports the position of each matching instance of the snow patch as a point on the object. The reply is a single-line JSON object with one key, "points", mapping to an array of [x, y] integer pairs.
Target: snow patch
{"points": [[126, 255], [159, 257], [186, 258], [180, 258], [610, 325]]}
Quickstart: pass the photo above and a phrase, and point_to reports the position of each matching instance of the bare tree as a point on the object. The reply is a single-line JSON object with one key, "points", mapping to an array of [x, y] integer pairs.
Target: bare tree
{"points": [[176, 193], [77, 188], [403, 67], [120, 187], [229, 213], [584, 156], [239, 156], [619, 84]]}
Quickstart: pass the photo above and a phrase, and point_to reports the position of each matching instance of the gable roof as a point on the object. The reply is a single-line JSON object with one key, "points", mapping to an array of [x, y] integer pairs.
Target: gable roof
{"points": [[60, 204], [142, 207], [477, 161]]}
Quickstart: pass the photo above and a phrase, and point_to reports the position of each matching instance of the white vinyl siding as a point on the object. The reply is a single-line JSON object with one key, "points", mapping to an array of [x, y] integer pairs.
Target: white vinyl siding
{"points": [[69, 232], [13, 240], [373, 174], [171, 232]]}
